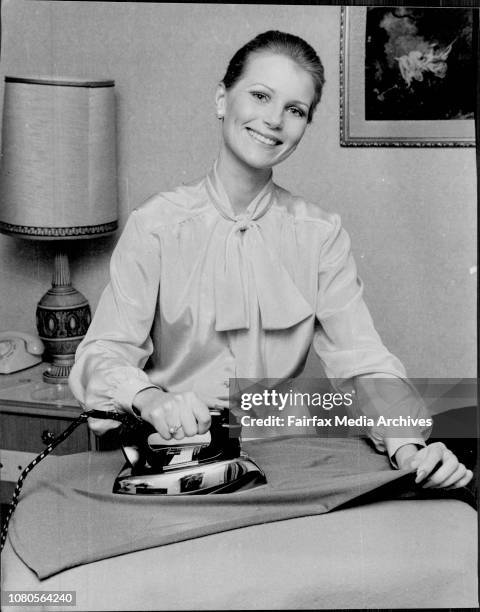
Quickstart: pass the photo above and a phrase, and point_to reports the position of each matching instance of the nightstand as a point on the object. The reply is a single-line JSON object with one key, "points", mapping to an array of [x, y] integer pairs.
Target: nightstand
{"points": [[32, 413]]}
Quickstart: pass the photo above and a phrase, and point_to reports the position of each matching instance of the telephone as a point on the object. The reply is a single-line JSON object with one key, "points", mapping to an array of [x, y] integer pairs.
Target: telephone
{"points": [[19, 351]]}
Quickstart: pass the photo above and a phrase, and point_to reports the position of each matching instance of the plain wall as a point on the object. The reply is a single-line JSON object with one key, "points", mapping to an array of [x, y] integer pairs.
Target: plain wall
{"points": [[411, 213]]}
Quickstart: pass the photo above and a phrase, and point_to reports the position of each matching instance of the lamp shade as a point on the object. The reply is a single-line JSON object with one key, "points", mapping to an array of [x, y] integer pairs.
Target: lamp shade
{"points": [[58, 167]]}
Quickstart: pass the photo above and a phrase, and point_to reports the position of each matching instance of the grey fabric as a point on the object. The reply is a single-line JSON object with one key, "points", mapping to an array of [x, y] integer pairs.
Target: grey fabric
{"points": [[389, 554], [69, 500]]}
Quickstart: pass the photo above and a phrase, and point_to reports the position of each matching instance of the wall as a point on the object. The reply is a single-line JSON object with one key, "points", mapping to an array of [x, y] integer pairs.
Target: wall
{"points": [[411, 213]]}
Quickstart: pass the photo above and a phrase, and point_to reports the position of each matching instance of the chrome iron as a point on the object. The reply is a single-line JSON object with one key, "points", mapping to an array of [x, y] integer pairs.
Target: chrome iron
{"points": [[191, 466]]}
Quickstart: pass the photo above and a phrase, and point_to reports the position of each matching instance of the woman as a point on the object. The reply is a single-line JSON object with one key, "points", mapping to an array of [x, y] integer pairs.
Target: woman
{"points": [[232, 277]]}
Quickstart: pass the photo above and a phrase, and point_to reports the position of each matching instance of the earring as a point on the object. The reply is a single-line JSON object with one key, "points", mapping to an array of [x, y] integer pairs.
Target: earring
{"points": [[219, 115]]}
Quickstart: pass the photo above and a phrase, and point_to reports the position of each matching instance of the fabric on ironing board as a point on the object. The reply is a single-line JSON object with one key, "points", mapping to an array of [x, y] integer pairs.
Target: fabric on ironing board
{"points": [[69, 516]]}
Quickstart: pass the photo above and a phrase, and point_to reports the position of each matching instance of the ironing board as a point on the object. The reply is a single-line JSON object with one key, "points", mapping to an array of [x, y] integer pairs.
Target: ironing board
{"points": [[391, 553]]}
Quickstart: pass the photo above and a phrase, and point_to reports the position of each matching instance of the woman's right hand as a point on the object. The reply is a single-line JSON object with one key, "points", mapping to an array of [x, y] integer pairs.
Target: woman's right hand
{"points": [[185, 413]]}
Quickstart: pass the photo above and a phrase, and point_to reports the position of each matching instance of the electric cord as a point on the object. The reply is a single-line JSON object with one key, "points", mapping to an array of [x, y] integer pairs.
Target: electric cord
{"points": [[98, 414]]}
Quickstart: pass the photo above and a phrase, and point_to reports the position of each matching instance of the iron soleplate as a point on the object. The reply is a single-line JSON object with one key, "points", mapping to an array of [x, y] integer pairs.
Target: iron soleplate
{"points": [[225, 476]]}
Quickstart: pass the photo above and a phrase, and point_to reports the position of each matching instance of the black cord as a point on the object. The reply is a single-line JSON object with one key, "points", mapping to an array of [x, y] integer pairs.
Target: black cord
{"points": [[125, 418]]}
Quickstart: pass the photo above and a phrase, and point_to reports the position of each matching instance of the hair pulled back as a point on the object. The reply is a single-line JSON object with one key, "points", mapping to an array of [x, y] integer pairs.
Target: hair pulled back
{"points": [[281, 43]]}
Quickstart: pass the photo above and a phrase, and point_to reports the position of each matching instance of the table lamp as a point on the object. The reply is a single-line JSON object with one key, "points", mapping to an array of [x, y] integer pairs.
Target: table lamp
{"points": [[58, 183]]}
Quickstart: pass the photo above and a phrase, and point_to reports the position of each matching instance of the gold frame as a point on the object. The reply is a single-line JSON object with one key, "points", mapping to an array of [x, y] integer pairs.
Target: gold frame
{"points": [[355, 131]]}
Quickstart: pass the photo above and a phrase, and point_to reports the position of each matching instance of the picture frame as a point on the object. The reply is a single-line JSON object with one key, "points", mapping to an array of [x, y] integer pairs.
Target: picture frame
{"points": [[385, 127]]}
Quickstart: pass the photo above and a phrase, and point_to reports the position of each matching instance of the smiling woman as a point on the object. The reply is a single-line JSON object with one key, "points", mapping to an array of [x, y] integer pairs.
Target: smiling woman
{"points": [[268, 94], [232, 277], [265, 113]]}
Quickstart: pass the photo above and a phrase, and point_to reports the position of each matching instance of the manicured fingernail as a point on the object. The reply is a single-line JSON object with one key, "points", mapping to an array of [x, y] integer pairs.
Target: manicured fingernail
{"points": [[420, 476]]}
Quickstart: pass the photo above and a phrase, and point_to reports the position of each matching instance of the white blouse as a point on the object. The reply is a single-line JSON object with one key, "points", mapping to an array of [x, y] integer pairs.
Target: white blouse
{"points": [[199, 296]]}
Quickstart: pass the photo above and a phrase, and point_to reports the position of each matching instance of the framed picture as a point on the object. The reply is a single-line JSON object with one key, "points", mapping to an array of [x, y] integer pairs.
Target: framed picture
{"points": [[407, 77]]}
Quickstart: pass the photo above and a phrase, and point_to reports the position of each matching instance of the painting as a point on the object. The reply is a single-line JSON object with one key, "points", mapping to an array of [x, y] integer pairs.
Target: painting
{"points": [[407, 77]]}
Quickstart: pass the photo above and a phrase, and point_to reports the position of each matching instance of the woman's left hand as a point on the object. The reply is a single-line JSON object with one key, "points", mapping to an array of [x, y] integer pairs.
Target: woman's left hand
{"points": [[450, 474]]}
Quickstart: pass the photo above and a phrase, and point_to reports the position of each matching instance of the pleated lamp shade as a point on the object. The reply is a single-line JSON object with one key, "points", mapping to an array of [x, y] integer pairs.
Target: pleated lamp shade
{"points": [[58, 182]]}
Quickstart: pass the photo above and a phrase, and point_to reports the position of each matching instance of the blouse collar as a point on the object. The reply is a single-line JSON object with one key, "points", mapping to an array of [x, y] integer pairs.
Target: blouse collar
{"points": [[260, 205]]}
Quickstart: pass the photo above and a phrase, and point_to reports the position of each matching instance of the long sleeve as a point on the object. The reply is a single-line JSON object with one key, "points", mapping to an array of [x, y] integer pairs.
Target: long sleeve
{"points": [[108, 370], [352, 352]]}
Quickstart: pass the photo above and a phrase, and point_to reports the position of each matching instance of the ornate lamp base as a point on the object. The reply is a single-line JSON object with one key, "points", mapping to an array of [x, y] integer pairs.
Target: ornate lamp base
{"points": [[63, 317]]}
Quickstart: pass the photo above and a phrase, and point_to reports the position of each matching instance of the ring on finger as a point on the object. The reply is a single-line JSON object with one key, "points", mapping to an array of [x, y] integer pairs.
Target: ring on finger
{"points": [[173, 430]]}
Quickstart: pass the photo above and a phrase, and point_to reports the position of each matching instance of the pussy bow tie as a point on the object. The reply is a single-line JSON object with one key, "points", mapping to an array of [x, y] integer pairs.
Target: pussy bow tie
{"points": [[245, 254]]}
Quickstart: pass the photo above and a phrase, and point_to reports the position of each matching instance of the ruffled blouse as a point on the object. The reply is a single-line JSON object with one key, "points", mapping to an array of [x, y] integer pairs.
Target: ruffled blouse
{"points": [[199, 296]]}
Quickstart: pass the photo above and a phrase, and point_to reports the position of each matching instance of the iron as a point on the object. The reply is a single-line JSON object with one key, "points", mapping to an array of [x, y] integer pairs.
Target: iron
{"points": [[192, 466]]}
